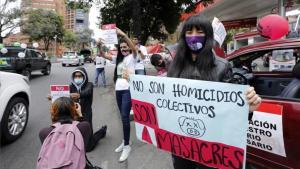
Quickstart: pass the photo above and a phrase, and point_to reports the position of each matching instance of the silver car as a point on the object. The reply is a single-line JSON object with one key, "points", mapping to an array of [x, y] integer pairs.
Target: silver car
{"points": [[72, 58]]}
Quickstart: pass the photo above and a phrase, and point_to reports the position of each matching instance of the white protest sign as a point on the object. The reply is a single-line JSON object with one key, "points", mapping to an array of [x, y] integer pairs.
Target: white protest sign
{"points": [[109, 34], [282, 60], [265, 129], [58, 91], [199, 120], [219, 31]]}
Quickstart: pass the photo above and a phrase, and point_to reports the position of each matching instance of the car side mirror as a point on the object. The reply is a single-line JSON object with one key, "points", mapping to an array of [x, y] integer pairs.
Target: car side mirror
{"points": [[21, 55]]}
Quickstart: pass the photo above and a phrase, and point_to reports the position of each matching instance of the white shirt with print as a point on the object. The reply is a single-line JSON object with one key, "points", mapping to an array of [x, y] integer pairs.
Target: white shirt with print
{"points": [[129, 64]]}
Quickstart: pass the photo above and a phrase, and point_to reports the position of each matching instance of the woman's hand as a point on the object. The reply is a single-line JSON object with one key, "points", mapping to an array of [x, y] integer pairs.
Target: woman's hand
{"points": [[78, 109], [253, 99], [125, 74], [49, 97]]}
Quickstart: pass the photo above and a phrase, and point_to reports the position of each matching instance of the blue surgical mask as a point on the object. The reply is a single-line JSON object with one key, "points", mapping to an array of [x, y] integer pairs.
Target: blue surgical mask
{"points": [[195, 43], [78, 81]]}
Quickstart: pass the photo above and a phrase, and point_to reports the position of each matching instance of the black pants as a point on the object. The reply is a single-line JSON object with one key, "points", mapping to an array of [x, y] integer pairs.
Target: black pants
{"points": [[181, 163]]}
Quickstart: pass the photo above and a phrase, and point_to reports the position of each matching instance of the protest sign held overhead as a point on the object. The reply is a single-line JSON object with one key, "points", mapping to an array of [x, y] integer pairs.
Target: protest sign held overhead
{"points": [[109, 34], [219, 31], [192, 119], [58, 91]]}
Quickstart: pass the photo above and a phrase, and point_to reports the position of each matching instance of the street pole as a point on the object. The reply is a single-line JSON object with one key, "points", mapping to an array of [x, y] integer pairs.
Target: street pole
{"points": [[281, 8], [55, 45]]}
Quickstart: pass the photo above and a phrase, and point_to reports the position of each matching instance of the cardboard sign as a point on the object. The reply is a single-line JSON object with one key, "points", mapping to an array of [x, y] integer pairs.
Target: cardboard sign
{"points": [[109, 34], [219, 31], [193, 119], [282, 60], [265, 129], [58, 91]]}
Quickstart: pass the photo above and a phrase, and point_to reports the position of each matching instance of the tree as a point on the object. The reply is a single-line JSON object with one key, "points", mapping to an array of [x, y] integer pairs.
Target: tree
{"points": [[8, 19], [84, 37], [44, 25], [146, 18], [70, 39]]}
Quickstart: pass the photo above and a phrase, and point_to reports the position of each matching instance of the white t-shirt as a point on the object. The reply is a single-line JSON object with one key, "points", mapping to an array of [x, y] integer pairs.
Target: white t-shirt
{"points": [[139, 61], [100, 62], [129, 64]]}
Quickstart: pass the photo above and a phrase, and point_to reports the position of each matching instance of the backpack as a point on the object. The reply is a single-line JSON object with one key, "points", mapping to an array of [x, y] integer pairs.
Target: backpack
{"points": [[63, 148]]}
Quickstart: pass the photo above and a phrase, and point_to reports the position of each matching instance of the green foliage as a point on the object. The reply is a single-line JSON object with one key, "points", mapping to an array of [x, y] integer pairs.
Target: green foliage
{"points": [[146, 18], [44, 25], [79, 4], [8, 19], [69, 39], [84, 37]]}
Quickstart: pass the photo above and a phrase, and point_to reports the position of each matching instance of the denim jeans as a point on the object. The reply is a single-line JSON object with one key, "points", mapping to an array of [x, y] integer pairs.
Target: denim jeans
{"points": [[124, 104], [98, 72], [103, 77]]}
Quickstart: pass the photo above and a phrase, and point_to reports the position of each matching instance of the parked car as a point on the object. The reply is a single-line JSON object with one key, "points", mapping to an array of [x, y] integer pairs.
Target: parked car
{"points": [[14, 107], [24, 61], [72, 58], [280, 90]]}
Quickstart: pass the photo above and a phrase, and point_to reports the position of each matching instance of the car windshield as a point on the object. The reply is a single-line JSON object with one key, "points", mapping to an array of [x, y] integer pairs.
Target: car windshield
{"points": [[69, 55], [11, 53]]}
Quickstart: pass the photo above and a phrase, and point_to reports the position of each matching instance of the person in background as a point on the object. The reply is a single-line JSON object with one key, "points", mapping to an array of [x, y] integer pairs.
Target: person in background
{"points": [[100, 63], [161, 62], [195, 60], [142, 52], [81, 91]]}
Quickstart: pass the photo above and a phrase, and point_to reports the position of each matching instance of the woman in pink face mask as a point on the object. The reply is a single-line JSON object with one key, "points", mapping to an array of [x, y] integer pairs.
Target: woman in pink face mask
{"points": [[125, 65], [195, 59]]}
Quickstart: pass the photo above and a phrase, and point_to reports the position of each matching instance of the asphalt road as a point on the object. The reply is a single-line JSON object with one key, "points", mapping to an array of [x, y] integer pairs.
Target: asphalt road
{"points": [[23, 153]]}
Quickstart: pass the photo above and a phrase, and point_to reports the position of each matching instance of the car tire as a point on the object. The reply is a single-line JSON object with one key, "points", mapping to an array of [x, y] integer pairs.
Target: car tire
{"points": [[47, 70], [63, 65], [27, 72], [19, 104]]}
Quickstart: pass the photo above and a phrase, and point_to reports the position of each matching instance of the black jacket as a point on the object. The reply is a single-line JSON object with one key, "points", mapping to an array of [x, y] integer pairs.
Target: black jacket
{"points": [[222, 72], [85, 90]]}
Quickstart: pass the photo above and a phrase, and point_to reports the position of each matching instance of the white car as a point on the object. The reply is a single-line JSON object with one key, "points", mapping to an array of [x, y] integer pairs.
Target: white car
{"points": [[72, 58], [14, 105]]}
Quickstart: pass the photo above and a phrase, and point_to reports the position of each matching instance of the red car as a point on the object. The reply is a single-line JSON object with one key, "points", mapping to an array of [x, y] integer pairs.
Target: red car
{"points": [[273, 136]]}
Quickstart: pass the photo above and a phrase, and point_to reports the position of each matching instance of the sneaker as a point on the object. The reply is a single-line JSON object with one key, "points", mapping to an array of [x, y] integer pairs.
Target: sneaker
{"points": [[120, 148], [125, 153]]}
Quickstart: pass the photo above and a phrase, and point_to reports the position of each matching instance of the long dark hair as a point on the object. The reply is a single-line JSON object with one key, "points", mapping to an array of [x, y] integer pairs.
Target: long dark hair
{"points": [[205, 59], [120, 58]]}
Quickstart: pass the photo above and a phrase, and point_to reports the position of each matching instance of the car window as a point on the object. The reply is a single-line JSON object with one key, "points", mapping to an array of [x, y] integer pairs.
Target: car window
{"points": [[33, 54], [275, 60], [39, 55], [28, 54], [11, 53]]}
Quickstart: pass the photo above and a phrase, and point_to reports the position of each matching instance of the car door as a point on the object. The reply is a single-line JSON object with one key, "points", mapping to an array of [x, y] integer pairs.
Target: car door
{"points": [[41, 61], [271, 137], [35, 61], [275, 144]]}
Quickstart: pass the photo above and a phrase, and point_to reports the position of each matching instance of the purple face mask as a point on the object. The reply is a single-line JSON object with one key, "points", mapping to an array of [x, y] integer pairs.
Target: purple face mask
{"points": [[125, 52], [195, 43]]}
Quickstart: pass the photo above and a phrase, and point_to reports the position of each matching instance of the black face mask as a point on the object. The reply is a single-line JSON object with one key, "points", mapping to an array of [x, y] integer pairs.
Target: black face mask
{"points": [[163, 64]]}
